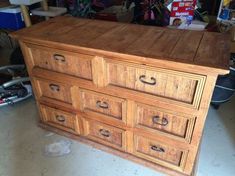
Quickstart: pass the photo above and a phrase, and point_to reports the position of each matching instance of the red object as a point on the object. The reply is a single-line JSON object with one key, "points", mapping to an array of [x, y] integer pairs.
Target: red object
{"points": [[183, 8]]}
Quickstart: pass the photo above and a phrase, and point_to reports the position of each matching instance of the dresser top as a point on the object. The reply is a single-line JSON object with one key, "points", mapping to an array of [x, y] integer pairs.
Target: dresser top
{"points": [[207, 49]]}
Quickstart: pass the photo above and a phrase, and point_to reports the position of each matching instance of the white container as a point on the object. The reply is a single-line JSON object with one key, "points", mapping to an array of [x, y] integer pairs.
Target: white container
{"points": [[24, 2], [52, 12]]}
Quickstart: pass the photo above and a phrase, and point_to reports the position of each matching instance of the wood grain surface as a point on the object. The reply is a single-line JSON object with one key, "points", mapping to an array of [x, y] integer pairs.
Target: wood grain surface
{"points": [[192, 47]]}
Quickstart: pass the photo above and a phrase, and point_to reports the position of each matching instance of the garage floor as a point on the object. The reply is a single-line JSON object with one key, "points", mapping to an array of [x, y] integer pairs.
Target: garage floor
{"points": [[22, 144]]}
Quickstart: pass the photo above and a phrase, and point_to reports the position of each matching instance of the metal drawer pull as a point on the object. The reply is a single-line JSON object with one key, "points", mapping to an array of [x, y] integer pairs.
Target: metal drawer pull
{"points": [[54, 87], [59, 57], [60, 118], [160, 121], [157, 149], [103, 105], [142, 78], [104, 133]]}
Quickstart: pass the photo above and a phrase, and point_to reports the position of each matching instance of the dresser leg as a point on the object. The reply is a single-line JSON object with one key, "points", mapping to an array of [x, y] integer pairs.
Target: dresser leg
{"points": [[195, 168]]}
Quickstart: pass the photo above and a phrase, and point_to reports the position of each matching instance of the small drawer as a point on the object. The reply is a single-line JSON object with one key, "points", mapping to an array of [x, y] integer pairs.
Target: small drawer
{"points": [[156, 120], [62, 61], [53, 90], [159, 152], [177, 86], [112, 107], [105, 134], [60, 119]]}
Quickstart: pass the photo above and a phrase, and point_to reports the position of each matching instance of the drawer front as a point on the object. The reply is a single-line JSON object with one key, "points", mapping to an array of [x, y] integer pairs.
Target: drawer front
{"points": [[53, 90], [60, 119], [182, 87], [64, 62], [113, 107], [105, 134], [160, 153], [160, 120]]}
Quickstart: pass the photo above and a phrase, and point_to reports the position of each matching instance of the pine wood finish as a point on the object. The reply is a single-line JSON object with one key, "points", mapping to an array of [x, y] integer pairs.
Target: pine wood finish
{"points": [[140, 92], [60, 119]]}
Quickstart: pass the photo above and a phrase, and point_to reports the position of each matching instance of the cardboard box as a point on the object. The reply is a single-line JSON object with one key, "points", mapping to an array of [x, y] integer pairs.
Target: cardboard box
{"points": [[182, 12]]}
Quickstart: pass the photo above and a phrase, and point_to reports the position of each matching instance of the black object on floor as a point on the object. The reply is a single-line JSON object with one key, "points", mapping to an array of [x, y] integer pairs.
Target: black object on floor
{"points": [[224, 89]]}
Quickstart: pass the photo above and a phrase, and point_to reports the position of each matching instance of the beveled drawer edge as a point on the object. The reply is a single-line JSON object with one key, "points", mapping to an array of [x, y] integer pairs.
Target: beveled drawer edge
{"points": [[123, 147], [200, 78], [181, 166], [48, 48], [123, 102], [190, 125], [85, 84], [78, 128]]}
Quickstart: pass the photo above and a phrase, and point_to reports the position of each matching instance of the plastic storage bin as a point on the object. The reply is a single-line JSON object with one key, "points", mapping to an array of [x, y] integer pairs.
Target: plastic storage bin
{"points": [[11, 18]]}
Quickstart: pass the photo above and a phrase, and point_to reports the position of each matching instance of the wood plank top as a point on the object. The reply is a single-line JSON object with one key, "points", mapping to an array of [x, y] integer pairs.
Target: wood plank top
{"points": [[211, 50]]}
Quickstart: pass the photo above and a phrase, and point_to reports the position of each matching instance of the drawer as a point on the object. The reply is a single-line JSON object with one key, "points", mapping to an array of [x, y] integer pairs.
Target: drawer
{"points": [[60, 119], [158, 152], [111, 107], [183, 87], [167, 122], [105, 134], [62, 61], [53, 90]]}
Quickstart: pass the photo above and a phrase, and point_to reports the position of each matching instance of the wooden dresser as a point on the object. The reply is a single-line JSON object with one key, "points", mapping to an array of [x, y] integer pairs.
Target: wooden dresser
{"points": [[139, 92]]}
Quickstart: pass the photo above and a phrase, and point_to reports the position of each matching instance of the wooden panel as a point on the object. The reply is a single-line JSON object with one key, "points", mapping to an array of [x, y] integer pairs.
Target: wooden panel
{"points": [[179, 86], [60, 61], [103, 104], [159, 152], [105, 134], [60, 119], [99, 71], [117, 37], [53, 89], [157, 120], [213, 50], [187, 52]]}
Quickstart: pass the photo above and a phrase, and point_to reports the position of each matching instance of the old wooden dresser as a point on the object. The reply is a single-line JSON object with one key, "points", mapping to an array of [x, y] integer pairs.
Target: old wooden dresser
{"points": [[136, 91]]}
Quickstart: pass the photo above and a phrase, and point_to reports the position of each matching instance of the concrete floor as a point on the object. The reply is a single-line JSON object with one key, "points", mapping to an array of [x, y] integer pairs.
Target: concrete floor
{"points": [[22, 144]]}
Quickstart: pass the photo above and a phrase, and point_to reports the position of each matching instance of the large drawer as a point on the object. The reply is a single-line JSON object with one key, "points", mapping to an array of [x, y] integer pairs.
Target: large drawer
{"points": [[173, 85], [105, 134], [101, 104], [62, 61], [158, 120], [60, 119], [53, 89], [161, 153]]}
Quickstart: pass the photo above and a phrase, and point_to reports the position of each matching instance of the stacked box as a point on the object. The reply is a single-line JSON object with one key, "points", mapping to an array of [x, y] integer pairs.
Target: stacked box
{"points": [[182, 11]]}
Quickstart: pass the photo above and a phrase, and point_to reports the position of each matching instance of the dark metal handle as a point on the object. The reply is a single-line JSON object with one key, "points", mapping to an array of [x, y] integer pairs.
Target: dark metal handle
{"points": [[54, 87], [104, 132], [59, 57], [103, 105], [160, 121], [60, 118], [142, 78], [157, 149]]}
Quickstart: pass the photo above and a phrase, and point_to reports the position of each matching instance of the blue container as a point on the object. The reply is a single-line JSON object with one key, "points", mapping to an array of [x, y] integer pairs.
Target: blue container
{"points": [[11, 18]]}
